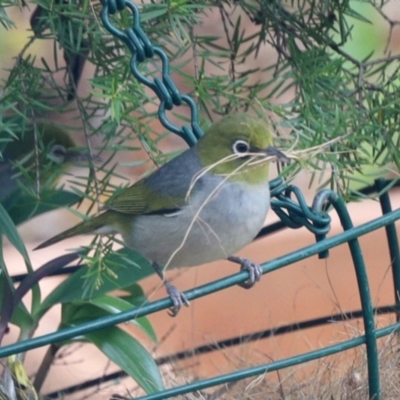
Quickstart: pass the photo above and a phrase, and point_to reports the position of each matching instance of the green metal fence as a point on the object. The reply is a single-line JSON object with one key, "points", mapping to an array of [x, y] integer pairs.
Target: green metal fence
{"points": [[290, 205]]}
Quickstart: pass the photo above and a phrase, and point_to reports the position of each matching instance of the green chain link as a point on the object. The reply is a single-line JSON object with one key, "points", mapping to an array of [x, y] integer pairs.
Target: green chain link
{"points": [[141, 48]]}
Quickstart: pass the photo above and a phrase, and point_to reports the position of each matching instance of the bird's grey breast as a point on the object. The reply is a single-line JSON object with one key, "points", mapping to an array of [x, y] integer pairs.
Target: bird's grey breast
{"points": [[219, 217], [230, 216]]}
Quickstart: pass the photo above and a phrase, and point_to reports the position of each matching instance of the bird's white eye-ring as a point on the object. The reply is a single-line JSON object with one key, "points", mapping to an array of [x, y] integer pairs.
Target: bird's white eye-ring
{"points": [[57, 153], [241, 147]]}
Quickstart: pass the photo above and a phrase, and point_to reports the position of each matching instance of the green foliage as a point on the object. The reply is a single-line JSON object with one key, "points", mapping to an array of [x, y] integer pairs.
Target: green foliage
{"points": [[117, 345], [328, 81], [121, 262]]}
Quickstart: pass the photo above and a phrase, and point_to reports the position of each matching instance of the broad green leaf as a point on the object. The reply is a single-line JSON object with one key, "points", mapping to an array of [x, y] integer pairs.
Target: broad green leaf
{"points": [[116, 344], [24, 207], [83, 311], [114, 305], [75, 313], [129, 266], [125, 351], [136, 295], [137, 298]]}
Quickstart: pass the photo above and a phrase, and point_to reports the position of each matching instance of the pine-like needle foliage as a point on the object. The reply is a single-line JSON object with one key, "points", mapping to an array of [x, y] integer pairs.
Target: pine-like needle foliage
{"points": [[301, 60]]}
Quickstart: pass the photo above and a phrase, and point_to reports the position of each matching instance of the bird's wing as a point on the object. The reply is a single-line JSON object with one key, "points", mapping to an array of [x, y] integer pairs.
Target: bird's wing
{"points": [[165, 191], [138, 199]]}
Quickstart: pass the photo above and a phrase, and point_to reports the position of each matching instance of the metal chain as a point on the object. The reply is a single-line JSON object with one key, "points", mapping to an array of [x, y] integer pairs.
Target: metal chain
{"points": [[141, 48]]}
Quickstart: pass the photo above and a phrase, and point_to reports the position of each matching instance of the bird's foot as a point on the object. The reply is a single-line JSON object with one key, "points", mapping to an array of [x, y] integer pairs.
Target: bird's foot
{"points": [[251, 267], [177, 297]]}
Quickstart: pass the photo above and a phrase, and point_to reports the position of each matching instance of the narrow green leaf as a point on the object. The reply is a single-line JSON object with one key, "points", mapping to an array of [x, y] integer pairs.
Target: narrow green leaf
{"points": [[8, 229], [132, 267], [113, 305], [125, 351], [24, 207], [21, 316]]}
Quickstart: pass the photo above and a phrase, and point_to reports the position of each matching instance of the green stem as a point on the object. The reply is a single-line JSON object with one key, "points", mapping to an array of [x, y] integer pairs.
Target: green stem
{"points": [[45, 367]]}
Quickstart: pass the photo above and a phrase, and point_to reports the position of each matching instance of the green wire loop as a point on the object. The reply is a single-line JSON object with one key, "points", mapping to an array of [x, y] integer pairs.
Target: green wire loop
{"points": [[296, 214]]}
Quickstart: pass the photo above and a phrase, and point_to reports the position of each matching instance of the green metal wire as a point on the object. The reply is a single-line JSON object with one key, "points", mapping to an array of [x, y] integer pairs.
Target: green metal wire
{"points": [[298, 213], [204, 290], [393, 242], [226, 343], [270, 367], [364, 290]]}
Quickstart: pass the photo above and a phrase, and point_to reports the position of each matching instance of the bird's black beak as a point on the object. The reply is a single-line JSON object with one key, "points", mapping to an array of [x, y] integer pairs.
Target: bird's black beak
{"points": [[77, 156], [274, 152], [80, 156]]}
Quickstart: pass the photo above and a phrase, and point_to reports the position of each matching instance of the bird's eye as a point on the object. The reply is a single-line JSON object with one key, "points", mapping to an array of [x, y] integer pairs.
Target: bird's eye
{"points": [[57, 153], [241, 147]]}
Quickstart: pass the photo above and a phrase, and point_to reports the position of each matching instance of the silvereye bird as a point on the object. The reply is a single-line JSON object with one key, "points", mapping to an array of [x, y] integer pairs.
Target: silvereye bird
{"points": [[18, 162], [204, 205]]}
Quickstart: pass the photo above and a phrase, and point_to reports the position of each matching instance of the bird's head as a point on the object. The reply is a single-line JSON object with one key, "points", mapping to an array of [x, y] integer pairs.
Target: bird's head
{"points": [[239, 146], [45, 154]]}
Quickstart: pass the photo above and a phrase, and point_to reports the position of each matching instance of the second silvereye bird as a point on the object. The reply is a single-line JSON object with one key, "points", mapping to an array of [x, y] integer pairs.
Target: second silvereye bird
{"points": [[204, 205], [19, 157]]}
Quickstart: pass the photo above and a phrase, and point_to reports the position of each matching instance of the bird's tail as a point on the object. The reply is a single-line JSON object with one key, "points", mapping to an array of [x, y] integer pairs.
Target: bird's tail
{"points": [[96, 225]]}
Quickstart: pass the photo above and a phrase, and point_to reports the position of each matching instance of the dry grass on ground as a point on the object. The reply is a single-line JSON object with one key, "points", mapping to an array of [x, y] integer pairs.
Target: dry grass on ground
{"points": [[342, 376], [339, 377]]}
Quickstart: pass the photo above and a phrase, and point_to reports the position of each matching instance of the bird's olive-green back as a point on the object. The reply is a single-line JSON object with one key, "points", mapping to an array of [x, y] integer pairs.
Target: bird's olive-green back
{"points": [[163, 191]]}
